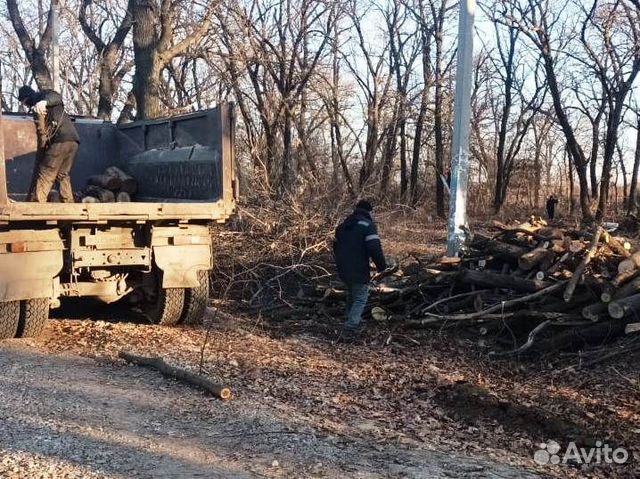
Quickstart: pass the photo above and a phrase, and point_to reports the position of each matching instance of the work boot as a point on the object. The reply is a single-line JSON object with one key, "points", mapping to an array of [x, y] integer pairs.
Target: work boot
{"points": [[350, 335]]}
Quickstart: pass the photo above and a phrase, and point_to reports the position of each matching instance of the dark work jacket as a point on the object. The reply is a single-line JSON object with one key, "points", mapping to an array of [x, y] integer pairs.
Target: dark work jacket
{"points": [[59, 125], [357, 242], [551, 203]]}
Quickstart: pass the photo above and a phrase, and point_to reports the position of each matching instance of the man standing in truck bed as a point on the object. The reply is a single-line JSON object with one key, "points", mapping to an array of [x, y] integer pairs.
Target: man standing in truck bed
{"points": [[57, 141]]}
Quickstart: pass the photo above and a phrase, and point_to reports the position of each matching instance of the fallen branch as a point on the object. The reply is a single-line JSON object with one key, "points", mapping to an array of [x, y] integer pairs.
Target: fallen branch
{"points": [[496, 307], [177, 373], [571, 287]]}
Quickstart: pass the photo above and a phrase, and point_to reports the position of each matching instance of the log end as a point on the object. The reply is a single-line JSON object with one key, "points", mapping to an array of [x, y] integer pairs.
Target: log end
{"points": [[225, 394], [616, 311]]}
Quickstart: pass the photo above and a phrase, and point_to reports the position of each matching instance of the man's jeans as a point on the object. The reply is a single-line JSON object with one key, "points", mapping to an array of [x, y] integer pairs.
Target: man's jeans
{"points": [[357, 295]]}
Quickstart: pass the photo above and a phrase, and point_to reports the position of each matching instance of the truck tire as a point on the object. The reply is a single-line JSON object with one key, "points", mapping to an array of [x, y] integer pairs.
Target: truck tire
{"points": [[34, 314], [195, 300], [167, 308], [9, 319]]}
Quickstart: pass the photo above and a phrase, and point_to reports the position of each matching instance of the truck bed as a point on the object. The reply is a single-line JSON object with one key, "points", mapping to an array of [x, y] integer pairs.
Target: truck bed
{"points": [[183, 166]]}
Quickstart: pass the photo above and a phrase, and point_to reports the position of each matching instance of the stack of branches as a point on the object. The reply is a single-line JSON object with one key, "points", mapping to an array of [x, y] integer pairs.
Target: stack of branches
{"points": [[114, 185], [523, 288]]}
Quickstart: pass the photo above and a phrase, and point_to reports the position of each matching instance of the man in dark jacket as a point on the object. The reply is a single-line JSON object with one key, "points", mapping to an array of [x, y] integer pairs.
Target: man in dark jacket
{"points": [[552, 201], [356, 243], [57, 144]]}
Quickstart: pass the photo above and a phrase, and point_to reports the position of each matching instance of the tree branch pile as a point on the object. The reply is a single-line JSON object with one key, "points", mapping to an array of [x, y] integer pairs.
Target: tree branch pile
{"points": [[523, 288]]}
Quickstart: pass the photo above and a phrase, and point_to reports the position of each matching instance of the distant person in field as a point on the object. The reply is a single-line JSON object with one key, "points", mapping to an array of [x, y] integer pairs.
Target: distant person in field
{"points": [[57, 144], [356, 243], [552, 201]]}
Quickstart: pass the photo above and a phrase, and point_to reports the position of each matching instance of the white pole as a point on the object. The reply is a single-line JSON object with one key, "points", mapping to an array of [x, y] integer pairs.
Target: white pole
{"points": [[461, 126]]}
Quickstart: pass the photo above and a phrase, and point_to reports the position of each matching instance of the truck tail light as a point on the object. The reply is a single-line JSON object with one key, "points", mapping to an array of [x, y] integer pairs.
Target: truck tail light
{"points": [[20, 247]]}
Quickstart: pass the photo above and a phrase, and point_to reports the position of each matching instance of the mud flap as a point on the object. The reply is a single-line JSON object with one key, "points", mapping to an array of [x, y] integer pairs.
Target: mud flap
{"points": [[180, 264]]}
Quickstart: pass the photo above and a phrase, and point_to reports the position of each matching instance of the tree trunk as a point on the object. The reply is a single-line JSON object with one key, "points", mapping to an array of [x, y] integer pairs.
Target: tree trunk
{"points": [[146, 81], [35, 53], [632, 207]]}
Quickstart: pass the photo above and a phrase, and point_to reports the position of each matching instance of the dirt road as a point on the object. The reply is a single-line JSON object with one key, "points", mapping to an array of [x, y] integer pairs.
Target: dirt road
{"points": [[68, 416]]}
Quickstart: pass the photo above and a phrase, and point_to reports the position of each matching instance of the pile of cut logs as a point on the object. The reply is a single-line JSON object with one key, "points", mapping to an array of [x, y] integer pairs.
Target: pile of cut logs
{"points": [[114, 185], [522, 288]]}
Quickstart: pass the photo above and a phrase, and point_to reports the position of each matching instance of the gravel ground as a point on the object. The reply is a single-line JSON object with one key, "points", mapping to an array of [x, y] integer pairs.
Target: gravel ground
{"points": [[65, 416]]}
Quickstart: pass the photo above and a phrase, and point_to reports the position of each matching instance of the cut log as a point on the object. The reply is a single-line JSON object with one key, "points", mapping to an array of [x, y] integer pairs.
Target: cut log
{"points": [[573, 282], [504, 251], [107, 182], [629, 264], [551, 233], [623, 278], [622, 307], [576, 246], [595, 312], [128, 183], [123, 197], [629, 289], [488, 279], [616, 246], [558, 264], [105, 196], [177, 373], [538, 257]]}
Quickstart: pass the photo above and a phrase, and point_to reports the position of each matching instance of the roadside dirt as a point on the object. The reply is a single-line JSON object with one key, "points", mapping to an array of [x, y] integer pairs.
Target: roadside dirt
{"points": [[69, 416]]}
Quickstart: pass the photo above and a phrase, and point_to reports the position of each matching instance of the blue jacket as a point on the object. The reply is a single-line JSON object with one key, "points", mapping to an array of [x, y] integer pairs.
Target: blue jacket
{"points": [[357, 242]]}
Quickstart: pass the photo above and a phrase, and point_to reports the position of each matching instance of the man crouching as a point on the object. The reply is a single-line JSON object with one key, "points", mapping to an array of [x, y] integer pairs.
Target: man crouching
{"points": [[356, 243]]}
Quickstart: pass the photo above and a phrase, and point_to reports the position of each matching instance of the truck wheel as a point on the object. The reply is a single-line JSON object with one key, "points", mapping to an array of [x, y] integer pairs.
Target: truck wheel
{"points": [[9, 319], [34, 314], [166, 310], [195, 300]]}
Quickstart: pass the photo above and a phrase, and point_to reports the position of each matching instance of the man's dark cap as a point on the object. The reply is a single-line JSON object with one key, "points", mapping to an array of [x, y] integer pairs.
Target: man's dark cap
{"points": [[25, 92], [364, 205]]}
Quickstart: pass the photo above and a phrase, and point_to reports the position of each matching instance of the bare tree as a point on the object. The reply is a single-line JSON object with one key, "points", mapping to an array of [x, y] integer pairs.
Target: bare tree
{"points": [[156, 44], [111, 69], [35, 49]]}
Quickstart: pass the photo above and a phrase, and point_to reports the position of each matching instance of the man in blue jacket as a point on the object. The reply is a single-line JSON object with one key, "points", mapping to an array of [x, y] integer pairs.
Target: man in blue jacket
{"points": [[58, 143], [356, 243]]}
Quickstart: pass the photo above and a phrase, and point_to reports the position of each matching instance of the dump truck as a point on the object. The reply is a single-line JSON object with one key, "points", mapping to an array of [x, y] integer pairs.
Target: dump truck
{"points": [[153, 253]]}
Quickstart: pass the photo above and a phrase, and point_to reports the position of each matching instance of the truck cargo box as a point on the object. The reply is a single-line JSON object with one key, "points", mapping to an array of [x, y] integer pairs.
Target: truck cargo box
{"points": [[184, 167]]}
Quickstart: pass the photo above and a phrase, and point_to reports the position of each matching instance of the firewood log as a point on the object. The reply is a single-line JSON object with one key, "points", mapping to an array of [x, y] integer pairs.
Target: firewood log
{"points": [[123, 197], [631, 288], [107, 182], [105, 196], [538, 257], [622, 307], [494, 280], [595, 312], [498, 249], [616, 246], [128, 183], [573, 282], [629, 264]]}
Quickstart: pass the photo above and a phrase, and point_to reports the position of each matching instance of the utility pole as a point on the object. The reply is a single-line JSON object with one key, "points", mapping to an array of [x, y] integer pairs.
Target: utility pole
{"points": [[461, 127]]}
